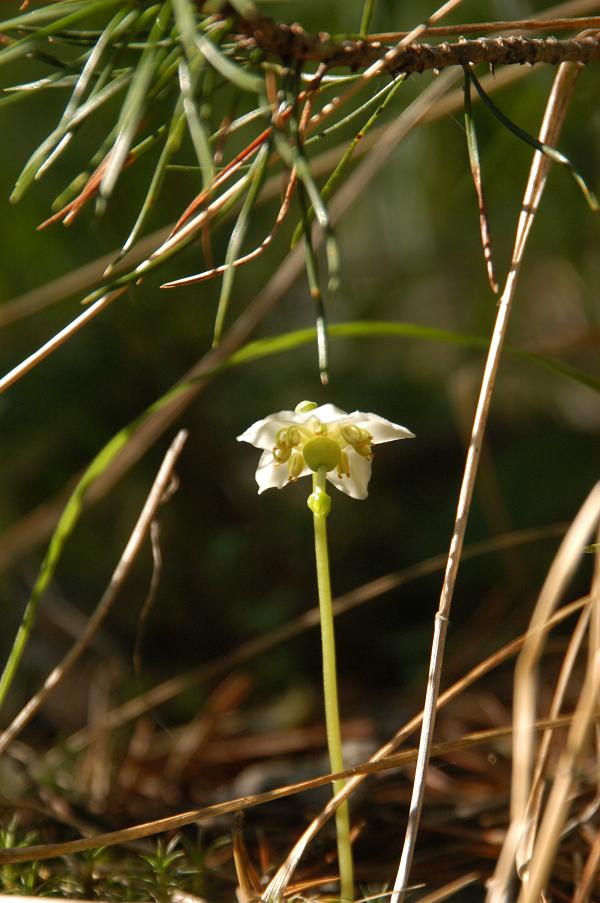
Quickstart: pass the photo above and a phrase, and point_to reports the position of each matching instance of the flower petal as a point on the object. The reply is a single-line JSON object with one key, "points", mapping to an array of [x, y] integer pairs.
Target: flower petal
{"points": [[382, 430], [263, 433], [327, 413], [360, 473], [270, 475]]}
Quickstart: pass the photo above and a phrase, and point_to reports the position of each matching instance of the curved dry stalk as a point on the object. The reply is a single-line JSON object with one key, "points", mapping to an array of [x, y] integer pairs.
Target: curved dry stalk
{"points": [[558, 577], [553, 118], [450, 889], [559, 800], [123, 568], [538, 783], [524, 702]]}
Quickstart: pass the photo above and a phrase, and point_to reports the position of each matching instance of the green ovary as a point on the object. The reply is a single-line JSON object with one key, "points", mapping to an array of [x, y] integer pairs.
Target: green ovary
{"points": [[322, 452]]}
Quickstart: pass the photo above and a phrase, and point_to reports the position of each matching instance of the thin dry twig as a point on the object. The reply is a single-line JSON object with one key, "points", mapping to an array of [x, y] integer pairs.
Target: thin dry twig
{"points": [[123, 568]]}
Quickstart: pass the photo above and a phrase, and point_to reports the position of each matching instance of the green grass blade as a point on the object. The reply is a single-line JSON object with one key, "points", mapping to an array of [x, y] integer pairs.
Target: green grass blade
{"points": [[383, 329], [170, 147], [187, 25], [37, 17], [68, 520], [354, 114]]}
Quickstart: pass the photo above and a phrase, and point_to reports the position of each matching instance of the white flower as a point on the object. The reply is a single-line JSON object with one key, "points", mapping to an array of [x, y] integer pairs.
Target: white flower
{"points": [[298, 443]]}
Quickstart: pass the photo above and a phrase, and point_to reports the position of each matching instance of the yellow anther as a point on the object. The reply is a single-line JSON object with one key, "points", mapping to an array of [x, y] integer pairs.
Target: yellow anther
{"points": [[281, 454], [343, 467], [364, 451], [287, 437], [350, 433], [295, 465], [318, 428]]}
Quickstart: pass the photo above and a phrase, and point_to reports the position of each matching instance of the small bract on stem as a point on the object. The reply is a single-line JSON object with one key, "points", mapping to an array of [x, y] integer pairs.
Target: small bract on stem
{"points": [[334, 447]]}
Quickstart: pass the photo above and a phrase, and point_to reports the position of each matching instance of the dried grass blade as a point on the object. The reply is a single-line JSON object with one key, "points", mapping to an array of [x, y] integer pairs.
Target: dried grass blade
{"points": [[251, 255], [560, 572], [535, 801], [585, 714]]}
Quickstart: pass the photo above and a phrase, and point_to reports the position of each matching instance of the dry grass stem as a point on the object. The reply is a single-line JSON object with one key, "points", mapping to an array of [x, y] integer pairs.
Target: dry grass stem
{"points": [[551, 125]]}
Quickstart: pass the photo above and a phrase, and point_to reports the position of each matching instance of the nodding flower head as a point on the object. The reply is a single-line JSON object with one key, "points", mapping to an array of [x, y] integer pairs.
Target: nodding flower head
{"points": [[298, 443]]}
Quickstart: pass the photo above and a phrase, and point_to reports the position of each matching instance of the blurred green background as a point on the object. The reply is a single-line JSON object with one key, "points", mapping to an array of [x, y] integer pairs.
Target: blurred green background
{"points": [[236, 565]]}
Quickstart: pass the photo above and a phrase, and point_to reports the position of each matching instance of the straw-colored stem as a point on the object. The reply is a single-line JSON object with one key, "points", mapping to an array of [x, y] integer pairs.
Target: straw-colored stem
{"points": [[332, 714]]}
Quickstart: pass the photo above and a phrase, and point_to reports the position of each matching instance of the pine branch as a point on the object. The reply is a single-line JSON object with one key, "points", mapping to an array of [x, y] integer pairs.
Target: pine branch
{"points": [[292, 43]]}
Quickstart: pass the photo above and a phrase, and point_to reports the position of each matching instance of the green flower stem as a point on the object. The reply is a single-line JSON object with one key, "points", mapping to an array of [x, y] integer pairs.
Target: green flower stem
{"points": [[332, 715]]}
